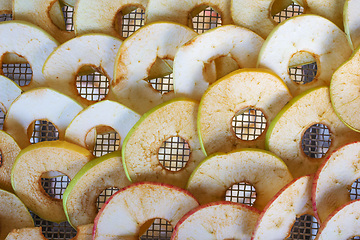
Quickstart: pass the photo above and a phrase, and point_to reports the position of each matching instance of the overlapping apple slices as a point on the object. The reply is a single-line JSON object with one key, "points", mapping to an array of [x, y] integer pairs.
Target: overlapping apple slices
{"points": [[128, 209], [90, 50], [13, 214], [285, 133], [38, 159], [46, 14], [279, 215], [137, 55], [218, 220], [240, 90], [39, 104], [191, 78], [9, 91], [175, 118], [305, 34], [351, 20], [94, 16], [24, 39], [217, 173]]}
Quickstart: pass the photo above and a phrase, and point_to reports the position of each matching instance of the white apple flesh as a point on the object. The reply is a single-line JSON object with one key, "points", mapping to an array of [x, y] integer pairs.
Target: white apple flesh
{"points": [[9, 91], [352, 22]]}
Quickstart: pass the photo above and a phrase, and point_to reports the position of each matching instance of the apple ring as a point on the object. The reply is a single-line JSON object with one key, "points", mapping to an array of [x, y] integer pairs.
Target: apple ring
{"points": [[137, 55], [218, 172], [37, 159], [9, 91], [256, 88], [352, 22], [284, 135], [324, 40], [190, 78], [39, 104]]}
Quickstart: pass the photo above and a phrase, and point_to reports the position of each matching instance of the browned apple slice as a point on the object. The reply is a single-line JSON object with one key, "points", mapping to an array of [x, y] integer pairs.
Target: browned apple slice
{"points": [[218, 220], [40, 158], [128, 209], [9, 91]]}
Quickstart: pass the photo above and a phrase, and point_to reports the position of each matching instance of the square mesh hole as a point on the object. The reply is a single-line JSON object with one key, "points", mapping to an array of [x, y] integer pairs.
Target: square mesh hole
{"points": [[159, 230], [316, 141], [241, 193], [5, 17], [68, 17], [163, 85], [2, 118], [305, 227], [105, 195], [174, 153], [106, 143], [206, 20], [44, 131], [132, 22], [355, 190], [93, 87], [20, 73], [303, 74], [249, 124], [55, 187], [291, 11]]}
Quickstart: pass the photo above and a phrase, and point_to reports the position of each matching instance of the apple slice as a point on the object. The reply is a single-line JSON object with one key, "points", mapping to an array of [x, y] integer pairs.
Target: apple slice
{"points": [[80, 196], [136, 57], [104, 113], [64, 64], [343, 92], [190, 78], [285, 132], [218, 172], [25, 39], [324, 40], [9, 91], [13, 213], [279, 215], [256, 88], [37, 159], [218, 220], [333, 179], [128, 209], [5, 7], [39, 104], [37, 12], [352, 22], [140, 149], [341, 224], [9, 149]]}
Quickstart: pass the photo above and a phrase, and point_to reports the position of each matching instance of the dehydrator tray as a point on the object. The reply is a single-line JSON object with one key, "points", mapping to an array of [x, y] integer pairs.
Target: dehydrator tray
{"points": [[175, 152]]}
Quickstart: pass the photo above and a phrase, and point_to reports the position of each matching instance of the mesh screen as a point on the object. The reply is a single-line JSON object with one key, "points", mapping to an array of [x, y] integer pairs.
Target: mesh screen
{"points": [[5, 17], [93, 87], [305, 227], [104, 196], [132, 22], [249, 125], [44, 131], [241, 193], [106, 143], [20, 73], [163, 85], [291, 11], [159, 230], [206, 20], [316, 141], [303, 74], [174, 153], [68, 17], [2, 118]]}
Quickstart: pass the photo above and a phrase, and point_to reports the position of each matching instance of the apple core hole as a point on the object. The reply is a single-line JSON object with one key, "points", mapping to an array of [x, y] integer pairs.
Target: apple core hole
{"points": [[129, 20], [248, 124], [2, 119], [290, 11], [92, 84], [316, 141], [159, 229], [305, 227], [20, 73], [68, 13], [205, 19], [106, 142], [304, 69], [5, 17], [174, 153], [355, 190], [43, 131], [105, 195], [54, 186], [241, 192]]}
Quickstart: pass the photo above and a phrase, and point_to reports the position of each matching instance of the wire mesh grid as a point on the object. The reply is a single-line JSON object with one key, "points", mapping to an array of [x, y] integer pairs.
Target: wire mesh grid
{"points": [[303, 74], [249, 124], [132, 22], [241, 193], [2, 118], [20, 73], [305, 227], [174, 153], [68, 17], [5, 17], [93, 86], [291, 11], [106, 143], [316, 141], [159, 230]]}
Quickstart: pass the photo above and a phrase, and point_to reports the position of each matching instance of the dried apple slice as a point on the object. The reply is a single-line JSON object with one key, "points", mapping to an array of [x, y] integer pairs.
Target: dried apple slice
{"points": [[37, 159], [352, 22], [128, 209], [5, 7], [242, 89], [9, 91], [104, 113], [279, 215], [13, 214], [64, 64], [218, 220], [80, 196], [140, 149], [24, 39], [285, 133], [39, 104], [312, 34], [38, 12], [218, 172], [240, 44], [135, 58]]}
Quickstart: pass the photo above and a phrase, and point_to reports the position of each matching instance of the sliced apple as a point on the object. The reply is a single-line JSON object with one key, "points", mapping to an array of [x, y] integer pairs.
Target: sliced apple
{"points": [[341, 224], [239, 43], [279, 215], [218, 172], [284, 135], [39, 104], [218, 220], [84, 232], [128, 209], [80, 196], [9, 91], [136, 57], [37, 159], [25, 39], [305, 33], [37, 12], [279, 5], [5, 7], [104, 113], [140, 149], [256, 88], [13, 214], [352, 22], [71, 3]]}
